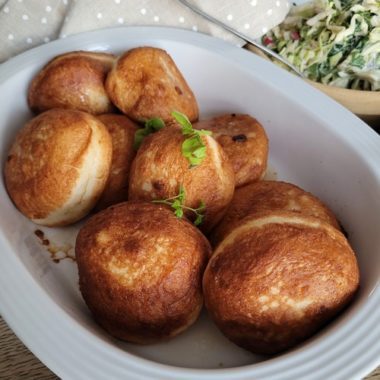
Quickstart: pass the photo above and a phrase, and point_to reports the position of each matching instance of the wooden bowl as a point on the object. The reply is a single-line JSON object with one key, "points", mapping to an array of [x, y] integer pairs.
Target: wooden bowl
{"points": [[365, 104]]}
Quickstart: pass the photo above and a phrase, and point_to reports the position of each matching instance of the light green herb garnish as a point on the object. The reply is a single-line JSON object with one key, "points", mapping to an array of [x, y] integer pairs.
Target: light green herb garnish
{"points": [[151, 126], [193, 148], [177, 203]]}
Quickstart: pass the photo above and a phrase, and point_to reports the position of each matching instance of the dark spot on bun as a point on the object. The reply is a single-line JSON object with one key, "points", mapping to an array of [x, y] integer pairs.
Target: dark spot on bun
{"points": [[178, 90], [40, 234], [239, 138], [158, 185]]}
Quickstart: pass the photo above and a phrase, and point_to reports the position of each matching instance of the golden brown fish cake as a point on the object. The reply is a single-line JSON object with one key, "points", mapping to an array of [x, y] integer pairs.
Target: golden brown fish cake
{"points": [[145, 83], [270, 195], [244, 140], [159, 170], [140, 271], [58, 166], [277, 278], [74, 81], [122, 131]]}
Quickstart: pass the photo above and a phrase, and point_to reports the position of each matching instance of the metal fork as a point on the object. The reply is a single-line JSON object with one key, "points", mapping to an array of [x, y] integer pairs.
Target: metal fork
{"points": [[243, 36]]}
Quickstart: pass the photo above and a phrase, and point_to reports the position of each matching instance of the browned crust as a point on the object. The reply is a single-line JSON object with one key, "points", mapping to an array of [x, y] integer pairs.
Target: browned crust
{"points": [[145, 83], [244, 140], [160, 168], [270, 195], [45, 160], [271, 285], [75, 81], [140, 271], [122, 131]]}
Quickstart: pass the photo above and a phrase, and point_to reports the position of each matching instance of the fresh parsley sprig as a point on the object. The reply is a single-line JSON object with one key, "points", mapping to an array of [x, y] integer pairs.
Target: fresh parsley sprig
{"points": [[193, 148], [151, 126], [177, 204]]}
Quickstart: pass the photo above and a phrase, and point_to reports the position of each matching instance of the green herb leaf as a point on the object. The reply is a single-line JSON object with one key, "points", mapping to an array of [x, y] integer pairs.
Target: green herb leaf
{"points": [[202, 207], [178, 213], [177, 203], [139, 137], [198, 220], [184, 122], [181, 194], [193, 148], [155, 124], [151, 126], [191, 144], [200, 213], [203, 132], [199, 152]]}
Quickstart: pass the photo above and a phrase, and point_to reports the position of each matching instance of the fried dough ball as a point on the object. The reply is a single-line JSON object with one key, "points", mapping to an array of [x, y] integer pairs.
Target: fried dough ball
{"points": [[160, 169], [140, 271], [58, 166], [74, 81], [244, 140], [277, 278], [145, 83], [270, 195], [122, 131]]}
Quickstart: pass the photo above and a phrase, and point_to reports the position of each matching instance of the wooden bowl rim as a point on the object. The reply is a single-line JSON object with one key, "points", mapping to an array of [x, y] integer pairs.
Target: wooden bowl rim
{"points": [[360, 102]]}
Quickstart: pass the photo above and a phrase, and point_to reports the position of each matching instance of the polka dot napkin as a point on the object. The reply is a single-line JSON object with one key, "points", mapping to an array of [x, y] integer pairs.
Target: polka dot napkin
{"points": [[28, 23]]}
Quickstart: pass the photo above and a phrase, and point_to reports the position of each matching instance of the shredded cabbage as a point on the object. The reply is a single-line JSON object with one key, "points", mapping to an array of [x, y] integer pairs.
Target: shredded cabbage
{"points": [[335, 42]]}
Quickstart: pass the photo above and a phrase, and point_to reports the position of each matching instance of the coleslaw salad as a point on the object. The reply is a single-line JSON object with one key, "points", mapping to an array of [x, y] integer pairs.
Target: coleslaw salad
{"points": [[335, 42]]}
